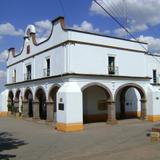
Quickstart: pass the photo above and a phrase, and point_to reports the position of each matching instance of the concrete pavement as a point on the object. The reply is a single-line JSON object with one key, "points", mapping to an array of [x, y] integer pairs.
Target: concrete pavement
{"points": [[27, 140]]}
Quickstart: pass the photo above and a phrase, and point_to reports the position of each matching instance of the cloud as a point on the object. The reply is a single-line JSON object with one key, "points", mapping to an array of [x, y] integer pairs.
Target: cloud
{"points": [[9, 30], [135, 28], [86, 26], [141, 13], [43, 29], [153, 43], [3, 56], [2, 74]]}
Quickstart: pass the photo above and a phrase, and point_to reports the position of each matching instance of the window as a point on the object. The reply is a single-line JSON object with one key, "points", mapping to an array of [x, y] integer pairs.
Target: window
{"points": [[111, 65], [14, 76], [28, 72], [48, 66], [154, 76], [28, 49], [46, 70]]}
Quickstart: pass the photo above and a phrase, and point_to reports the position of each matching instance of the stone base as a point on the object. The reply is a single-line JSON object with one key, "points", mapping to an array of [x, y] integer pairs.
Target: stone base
{"points": [[153, 118], [71, 127], [3, 114], [18, 115], [112, 122]]}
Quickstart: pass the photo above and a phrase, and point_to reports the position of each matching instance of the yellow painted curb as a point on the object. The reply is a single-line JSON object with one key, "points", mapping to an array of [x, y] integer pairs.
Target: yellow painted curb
{"points": [[71, 127]]}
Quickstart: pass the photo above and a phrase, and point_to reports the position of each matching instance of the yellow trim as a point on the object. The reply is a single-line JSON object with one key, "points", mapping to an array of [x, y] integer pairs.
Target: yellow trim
{"points": [[3, 114], [153, 118], [71, 127], [138, 114]]}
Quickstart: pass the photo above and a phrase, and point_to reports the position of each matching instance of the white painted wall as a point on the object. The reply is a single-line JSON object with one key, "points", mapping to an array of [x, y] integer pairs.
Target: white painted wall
{"points": [[94, 60], [3, 101], [153, 63], [71, 96], [91, 97]]}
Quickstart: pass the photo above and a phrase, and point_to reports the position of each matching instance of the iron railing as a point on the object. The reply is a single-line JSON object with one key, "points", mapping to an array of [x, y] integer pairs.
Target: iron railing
{"points": [[27, 76], [113, 70], [46, 72]]}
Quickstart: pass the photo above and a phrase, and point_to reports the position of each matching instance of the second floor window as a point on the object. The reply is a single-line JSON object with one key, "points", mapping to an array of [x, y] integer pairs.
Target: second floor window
{"points": [[14, 76], [111, 65], [28, 72], [47, 67], [154, 76]]}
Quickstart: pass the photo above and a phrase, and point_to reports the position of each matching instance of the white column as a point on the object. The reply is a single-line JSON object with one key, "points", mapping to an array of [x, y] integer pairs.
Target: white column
{"points": [[69, 108]]}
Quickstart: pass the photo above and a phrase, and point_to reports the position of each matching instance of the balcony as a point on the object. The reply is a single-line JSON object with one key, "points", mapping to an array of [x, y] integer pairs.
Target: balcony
{"points": [[156, 80], [46, 72], [113, 70], [27, 76]]}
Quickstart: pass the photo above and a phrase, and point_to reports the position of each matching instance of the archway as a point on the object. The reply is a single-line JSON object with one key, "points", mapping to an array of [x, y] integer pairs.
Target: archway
{"points": [[52, 103], [41, 98], [130, 102], [10, 101], [17, 101], [96, 99], [28, 97]]}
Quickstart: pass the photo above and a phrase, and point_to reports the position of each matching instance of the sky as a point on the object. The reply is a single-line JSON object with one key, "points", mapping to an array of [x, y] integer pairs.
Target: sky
{"points": [[140, 17]]}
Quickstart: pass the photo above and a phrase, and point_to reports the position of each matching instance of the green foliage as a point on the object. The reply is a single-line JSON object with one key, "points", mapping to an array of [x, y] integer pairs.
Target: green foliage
{"points": [[10, 107]]}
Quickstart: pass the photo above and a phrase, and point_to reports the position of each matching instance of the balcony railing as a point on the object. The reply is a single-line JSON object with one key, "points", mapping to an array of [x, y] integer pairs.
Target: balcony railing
{"points": [[156, 80], [113, 70], [27, 76], [46, 72]]}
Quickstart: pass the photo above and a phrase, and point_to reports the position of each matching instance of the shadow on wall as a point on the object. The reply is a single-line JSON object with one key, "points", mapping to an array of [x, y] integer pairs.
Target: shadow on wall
{"points": [[7, 142]]}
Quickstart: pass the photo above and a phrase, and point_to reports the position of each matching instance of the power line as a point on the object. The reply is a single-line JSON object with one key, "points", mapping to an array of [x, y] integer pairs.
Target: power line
{"points": [[110, 14], [113, 8], [118, 9]]}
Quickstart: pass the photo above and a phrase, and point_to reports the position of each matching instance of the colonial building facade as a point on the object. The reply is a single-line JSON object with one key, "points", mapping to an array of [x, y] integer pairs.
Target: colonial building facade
{"points": [[77, 77]]}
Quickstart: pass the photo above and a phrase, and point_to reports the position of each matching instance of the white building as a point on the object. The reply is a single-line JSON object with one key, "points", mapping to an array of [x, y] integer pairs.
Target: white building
{"points": [[77, 77]]}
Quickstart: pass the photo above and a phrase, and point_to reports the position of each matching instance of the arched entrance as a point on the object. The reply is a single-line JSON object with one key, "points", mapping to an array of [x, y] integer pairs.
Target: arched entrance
{"points": [[52, 103], [96, 102], [28, 97], [10, 101], [17, 101], [130, 102], [41, 98]]}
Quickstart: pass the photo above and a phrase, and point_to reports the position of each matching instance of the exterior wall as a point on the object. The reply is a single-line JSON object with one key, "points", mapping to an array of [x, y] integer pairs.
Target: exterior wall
{"points": [[153, 63], [154, 103], [3, 103], [110, 41], [75, 56], [58, 36], [94, 60]]}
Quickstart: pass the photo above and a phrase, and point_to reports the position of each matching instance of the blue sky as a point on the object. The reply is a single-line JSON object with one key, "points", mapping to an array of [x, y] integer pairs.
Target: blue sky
{"points": [[143, 20]]}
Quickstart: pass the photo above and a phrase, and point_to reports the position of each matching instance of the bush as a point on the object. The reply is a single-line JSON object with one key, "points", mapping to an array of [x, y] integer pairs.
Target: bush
{"points": [[9, 107]]}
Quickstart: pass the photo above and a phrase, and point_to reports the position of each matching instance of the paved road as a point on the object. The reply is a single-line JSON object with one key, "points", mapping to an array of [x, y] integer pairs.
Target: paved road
{"points": [[27, 140]]}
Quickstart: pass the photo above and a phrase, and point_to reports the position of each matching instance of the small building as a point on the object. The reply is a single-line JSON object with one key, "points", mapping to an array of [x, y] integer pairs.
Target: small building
{"points": [[76, 77]]}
